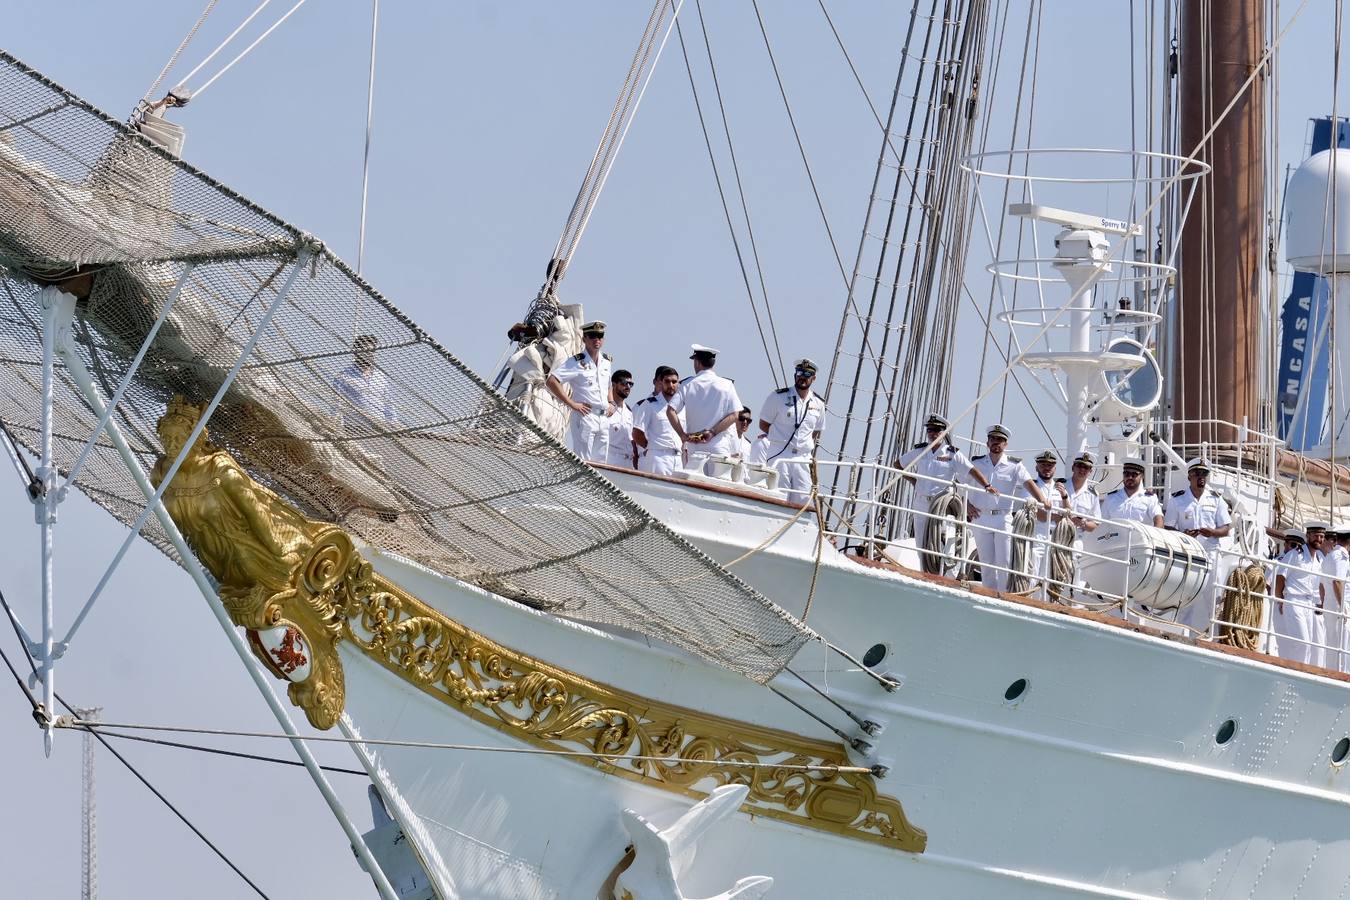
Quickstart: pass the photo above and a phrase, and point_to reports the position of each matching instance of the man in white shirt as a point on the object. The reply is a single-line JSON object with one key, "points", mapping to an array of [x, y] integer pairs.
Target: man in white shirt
{"points": [[710, 404], [1335, 570], [1203, 514], [660, 449], [364, 401], [1046, 461], [744, 419], [933, 465], [1081, 499], [1131, 502], [620, 421], [1297, 594], [1007, 479], [587, 375], [793, 418]]}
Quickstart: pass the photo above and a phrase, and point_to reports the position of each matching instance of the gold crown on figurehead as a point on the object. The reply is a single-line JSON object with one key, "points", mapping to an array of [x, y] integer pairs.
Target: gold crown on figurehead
{"points": [[181, 409]]}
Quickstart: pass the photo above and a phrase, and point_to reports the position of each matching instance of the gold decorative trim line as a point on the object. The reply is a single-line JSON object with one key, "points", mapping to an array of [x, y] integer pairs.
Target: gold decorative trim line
{"points": [[300, 588]]}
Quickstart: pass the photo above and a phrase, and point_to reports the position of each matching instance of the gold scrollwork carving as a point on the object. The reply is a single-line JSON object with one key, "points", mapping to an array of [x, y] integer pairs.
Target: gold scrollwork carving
{"points": [[682, 750], [278, 569]]}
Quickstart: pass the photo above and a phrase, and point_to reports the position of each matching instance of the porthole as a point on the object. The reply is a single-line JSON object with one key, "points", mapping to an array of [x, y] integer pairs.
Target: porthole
{"points": [[874, 655], [1015, 691], [1340, 751], [1225, 732]]}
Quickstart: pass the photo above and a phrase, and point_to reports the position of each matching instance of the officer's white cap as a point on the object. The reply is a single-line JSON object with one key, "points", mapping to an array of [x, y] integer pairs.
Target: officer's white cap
{"points": [[1294, 534], [1132, 465], [998, 431], [1199, 463], [699, 348], [806, 365], [1316, 526]]}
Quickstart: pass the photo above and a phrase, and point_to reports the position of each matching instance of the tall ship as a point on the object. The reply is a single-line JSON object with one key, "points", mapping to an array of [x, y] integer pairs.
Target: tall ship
{"points": [[882, 658]]}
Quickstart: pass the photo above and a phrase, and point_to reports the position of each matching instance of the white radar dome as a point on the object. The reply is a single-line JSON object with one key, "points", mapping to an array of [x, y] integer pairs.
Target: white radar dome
{"points": [[1318, 201]]}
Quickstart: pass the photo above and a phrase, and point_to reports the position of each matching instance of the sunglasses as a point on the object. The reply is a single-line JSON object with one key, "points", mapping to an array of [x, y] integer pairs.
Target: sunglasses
{"points": [[624, 383]]}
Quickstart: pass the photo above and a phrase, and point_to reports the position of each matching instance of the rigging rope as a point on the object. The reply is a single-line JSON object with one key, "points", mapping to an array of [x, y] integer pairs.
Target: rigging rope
{"points": [[173, 58], [726, 212], [740, 189], [365, 156], [42, 715], [611, 140], [801, 148], [229, 37], [77, 723], [229, 65]]}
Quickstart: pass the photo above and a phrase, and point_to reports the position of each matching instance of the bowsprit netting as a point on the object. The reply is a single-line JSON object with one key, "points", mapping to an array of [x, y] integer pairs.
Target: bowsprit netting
{"points": [[441, 470]]}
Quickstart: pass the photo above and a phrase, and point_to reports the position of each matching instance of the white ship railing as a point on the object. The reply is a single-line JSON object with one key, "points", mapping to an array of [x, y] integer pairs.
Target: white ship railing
{"points": [[881, 527], [878, 526]]}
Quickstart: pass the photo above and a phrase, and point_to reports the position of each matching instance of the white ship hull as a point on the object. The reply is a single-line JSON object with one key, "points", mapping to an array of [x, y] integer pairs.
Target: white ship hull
{"points": [[1103, 779]]}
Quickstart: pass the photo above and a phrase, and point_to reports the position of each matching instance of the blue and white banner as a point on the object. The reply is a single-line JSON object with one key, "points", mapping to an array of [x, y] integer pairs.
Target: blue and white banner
{"points": [[1305, 361]]}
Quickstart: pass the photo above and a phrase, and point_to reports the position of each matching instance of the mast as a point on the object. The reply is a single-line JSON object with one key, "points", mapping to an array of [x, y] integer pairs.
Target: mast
{"points": [[1222, 247]]}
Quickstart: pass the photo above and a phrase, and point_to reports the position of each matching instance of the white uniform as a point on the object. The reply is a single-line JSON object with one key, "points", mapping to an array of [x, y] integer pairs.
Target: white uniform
{"points": [[759, 451], [589, 382], [706, 399], [993, 539], [664, 452], [1141, 506], [1185, 511], [936, 469], [1083, 502], [365, 398], [1296, 624], [620, 424], [1040, 556], [793, 423], [1335, 569]]}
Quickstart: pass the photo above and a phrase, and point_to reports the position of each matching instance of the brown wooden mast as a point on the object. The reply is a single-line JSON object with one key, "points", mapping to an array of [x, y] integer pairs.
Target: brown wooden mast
{"points": [[1222, 250]]}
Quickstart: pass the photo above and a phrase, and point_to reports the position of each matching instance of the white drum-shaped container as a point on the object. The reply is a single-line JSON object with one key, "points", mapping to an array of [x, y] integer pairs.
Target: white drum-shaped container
{"points": [[1154, 568], [1318, 236]]}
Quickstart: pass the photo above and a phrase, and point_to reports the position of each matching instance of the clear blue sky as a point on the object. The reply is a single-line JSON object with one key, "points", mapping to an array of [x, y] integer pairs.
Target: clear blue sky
{"points": [[486, 115]]}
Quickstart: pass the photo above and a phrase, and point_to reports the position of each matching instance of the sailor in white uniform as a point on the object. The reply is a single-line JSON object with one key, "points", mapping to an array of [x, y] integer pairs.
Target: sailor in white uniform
{"points": [[1318, 544], [1132, 502], [1203, 514], [710, 405], [620, 421], [587, 375], [1007, 479], [1046, 461], [934, 467], [1297, 594], [793, 418], [661, 451], [1085, 509], [1335, 570]]}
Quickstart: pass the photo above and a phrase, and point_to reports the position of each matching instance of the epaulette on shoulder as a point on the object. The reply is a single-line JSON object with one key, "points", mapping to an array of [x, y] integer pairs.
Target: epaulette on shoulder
{"points": [[645, 399], [1016, 459], [920, 444], [781, 390], [1092, 489], [981, 456], [580, 356], [686, 379], [1178, 493], [607, 356]]}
